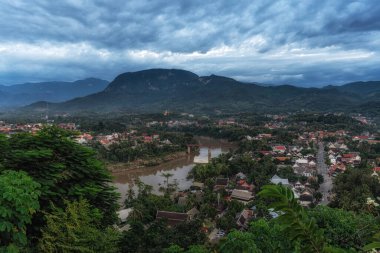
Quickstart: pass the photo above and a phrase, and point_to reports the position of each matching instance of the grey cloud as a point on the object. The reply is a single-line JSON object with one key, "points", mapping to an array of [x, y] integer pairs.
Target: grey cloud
{"points": [[185, 27]]}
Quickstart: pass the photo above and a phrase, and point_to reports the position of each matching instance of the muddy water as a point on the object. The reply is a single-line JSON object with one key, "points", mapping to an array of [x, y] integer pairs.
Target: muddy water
{"points": [[179, 168]]}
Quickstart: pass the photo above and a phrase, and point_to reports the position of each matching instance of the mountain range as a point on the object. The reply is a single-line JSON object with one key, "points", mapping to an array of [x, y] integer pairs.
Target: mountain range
{"points": [[155, 90], [27, 93]]}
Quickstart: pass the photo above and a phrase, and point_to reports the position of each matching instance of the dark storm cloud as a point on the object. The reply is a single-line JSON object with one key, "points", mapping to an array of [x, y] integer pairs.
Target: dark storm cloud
{"points": [[304, 42]]}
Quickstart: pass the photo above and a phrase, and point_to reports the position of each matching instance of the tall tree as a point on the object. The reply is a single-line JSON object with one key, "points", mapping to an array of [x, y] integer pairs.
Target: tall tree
{"points": [[77, 229], [65, 170], [18, 202], [239, 242], [301, 229]]}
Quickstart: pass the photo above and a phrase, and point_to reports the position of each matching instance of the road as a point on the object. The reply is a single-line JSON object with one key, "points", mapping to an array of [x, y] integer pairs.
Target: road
{"points": [[326, 186]]}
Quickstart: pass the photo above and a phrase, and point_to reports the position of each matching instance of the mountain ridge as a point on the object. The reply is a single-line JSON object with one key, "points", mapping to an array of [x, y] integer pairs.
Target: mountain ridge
{"points": [[155, 90], [55, 91]]}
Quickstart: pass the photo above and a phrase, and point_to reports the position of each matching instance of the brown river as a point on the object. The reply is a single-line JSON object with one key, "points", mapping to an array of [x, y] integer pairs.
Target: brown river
{"points": [[179, 168]]}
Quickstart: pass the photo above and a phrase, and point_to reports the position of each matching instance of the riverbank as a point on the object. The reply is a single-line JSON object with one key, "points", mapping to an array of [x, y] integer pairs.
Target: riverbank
{"points": [[144, 163]]}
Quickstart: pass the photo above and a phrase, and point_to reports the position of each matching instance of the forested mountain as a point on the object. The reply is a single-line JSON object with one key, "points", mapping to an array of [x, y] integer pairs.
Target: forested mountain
{"points": [[160, 89], [27, 93]]}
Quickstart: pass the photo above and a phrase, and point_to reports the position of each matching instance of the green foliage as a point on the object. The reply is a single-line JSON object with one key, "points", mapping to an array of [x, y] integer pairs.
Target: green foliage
{"points": [[145, 205], [77, 228], [373, 245], [288, 172], [64, 169], [352, 189], [269, 236], [201, 172], [254, 145], [345, 229], [193, 249], [197, 249], [239, 242], [228, 220], [173, 249], [301, 229], [18, 202], [159, 237], [131, 150]]}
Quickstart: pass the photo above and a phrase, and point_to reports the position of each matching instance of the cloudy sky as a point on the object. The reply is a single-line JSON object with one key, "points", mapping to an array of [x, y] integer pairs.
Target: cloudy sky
{"points": [[308, 42]]}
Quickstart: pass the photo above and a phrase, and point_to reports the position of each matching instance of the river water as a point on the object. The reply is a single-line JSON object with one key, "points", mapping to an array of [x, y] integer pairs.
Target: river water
{"points": [[179, 168]]}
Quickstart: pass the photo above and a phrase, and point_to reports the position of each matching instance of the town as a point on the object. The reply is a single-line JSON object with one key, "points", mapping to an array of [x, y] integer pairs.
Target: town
{"points": [[301, 153]]}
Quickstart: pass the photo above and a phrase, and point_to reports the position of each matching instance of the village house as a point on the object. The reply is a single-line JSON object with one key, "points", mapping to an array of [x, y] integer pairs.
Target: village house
{"points": [[173, 218], [337, 168], [279, 149], [278, 180], [244, 218], [197, 186], [242, 196], [360, 138], [351, 158], [304, 167], [221, 183], [306, 198]]}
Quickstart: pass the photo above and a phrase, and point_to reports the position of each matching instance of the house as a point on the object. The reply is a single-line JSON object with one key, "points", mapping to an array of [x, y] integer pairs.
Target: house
{"points": [[243, 185], [244, 218], [148, 139], [306, 198], [240, 176], [197, 186], [242, 196], [351, 158], [304, 170], [265, 152], [278, 180], [221, 183], [264, 136], [279, 149], [173, 218], [282, 159], [360, 138]]}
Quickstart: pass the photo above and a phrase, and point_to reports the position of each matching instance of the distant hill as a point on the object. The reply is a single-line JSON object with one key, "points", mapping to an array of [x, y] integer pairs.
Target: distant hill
{"points": [[27, 93], [361, 88], [156, 90]]}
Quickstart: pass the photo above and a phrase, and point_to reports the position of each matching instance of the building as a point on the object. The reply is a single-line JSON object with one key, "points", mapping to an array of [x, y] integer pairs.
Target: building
{"points": [[242, 196], [278, 180], [173, 218]]}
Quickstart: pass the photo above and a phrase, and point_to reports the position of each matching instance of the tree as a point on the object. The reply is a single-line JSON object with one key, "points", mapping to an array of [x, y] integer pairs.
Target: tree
{"points": [[173, 249], [197, 249], [288, 172], [373, 245], [352, 188], [18, 202], [239, 242], [77, 228], [133, 238], [188, 233], [269, 236], [345, 229], [301, 229], [64, 169], [168, 187]]}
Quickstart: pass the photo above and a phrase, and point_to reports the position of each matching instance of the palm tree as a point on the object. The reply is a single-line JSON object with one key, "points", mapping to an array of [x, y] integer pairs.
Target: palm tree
{"points": [[166, 176]]}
